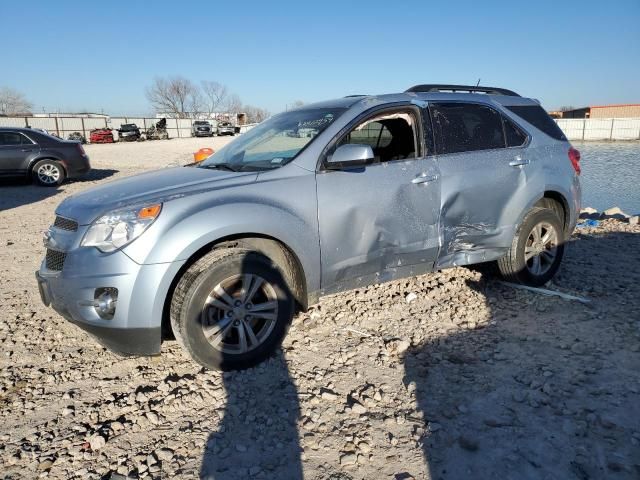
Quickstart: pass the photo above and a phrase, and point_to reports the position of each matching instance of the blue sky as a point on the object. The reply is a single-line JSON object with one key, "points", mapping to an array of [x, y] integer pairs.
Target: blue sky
{"points": [[101, 55]]}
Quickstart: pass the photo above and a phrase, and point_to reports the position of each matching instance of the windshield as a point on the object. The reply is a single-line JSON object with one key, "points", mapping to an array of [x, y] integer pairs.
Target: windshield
{"points": [[274, 142]]}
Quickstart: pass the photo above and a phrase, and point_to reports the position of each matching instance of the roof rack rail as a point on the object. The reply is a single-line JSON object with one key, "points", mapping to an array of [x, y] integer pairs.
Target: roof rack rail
{"points": [[462, 88]]}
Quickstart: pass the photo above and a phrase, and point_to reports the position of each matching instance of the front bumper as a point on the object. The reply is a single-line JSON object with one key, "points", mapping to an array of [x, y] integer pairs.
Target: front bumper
{"points": [[136, 326]]}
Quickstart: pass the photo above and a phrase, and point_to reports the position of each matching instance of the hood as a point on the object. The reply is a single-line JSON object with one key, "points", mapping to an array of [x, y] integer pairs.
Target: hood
{"points": [[157, 186]]}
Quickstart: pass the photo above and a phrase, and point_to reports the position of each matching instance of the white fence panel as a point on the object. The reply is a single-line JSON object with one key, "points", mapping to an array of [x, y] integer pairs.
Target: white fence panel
{"points": [[572, 127], [12, 122], [70, 124], [597, 129], [626, 128], [600, 128], [46, 123]]}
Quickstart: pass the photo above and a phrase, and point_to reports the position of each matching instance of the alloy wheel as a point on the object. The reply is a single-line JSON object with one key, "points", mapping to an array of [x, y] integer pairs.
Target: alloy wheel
{"points": [[48, 174], [540, 250], [239, 313]]}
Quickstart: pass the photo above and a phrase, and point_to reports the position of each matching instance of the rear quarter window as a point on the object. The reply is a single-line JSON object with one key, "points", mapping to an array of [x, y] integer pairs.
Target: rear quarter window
{"points": [[536, 116]]}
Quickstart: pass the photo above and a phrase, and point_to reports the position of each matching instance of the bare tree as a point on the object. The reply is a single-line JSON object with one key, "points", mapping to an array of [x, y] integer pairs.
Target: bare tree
{"points": [[215, 96], [233, 104], [255, 114], [176, 96], [297, 103], [13, 102], [567, 108]]}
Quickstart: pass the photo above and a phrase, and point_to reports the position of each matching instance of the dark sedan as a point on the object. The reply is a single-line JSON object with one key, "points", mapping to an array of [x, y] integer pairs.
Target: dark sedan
{"points": [[48, 160]]}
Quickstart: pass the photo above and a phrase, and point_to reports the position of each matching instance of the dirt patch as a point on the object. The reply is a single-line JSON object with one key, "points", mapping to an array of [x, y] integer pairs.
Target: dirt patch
{"points": [[447, 375]]}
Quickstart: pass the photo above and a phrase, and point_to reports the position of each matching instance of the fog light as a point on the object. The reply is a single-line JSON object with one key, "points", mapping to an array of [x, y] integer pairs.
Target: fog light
{"points": [[105, 301]]}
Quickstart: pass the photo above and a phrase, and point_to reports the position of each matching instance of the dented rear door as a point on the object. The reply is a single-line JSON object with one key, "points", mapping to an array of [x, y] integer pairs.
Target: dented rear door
{"points": [[480, 183]]}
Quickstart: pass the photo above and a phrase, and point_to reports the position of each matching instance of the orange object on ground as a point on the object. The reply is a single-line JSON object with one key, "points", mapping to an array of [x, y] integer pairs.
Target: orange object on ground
{"points": [[203, 154]]}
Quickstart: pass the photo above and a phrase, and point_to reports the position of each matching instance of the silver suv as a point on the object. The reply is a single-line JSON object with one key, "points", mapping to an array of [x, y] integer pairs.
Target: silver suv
{"points": [[328, 197]]}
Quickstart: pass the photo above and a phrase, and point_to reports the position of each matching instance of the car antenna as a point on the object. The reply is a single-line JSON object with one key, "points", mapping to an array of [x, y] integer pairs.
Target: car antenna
{"points": [[478, 82]]}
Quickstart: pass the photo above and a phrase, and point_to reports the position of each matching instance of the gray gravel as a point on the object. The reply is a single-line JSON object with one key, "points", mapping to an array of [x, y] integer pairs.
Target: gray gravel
{"points": [[447, 375]]}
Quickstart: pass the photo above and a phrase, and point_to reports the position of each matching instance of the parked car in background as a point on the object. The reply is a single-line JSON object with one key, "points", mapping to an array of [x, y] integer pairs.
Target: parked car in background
{"points": [[48, 160], [226, 128], [313, 201], [202, 128], [128, 132]]}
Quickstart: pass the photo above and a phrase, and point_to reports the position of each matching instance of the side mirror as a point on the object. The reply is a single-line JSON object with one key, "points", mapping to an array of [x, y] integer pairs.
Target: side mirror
{"points": [[350, 155]]}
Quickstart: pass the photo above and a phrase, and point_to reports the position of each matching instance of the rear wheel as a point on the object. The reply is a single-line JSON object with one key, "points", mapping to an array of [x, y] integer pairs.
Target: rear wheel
{"points": [[231, 309], [48, 173], [537, 249]]}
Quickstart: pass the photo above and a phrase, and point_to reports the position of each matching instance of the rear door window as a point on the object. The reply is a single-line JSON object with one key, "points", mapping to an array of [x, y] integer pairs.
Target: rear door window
{"points": [[514, 135], [536, 116], [465, 127], [13, 138]]}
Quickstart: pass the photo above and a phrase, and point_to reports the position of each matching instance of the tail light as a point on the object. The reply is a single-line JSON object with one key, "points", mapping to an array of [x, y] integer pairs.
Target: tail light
{"points": [[574, 157]]}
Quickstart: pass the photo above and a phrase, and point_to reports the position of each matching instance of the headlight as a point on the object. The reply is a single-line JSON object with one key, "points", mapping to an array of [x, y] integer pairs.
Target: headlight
{"points": [[116, 229]]}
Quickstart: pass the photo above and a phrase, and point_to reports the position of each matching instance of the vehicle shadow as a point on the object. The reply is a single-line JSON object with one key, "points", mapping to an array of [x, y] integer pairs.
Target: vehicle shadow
{"points": [[18, 192], [258, 433], [95, 174], [541, 387], [15, 193]]}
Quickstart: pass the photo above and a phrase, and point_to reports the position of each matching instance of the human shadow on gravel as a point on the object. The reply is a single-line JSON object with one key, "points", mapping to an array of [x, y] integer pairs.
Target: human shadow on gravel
{"points": [[258, 434], [541, 387]]}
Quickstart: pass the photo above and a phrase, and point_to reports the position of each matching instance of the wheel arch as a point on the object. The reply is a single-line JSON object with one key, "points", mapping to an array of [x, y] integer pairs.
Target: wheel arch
{"points": [[555, 201], [274, 249]]}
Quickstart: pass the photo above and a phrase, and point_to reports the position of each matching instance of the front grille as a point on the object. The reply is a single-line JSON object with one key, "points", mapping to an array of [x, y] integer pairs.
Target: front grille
{"points": [[55, 260], [65, 224]]}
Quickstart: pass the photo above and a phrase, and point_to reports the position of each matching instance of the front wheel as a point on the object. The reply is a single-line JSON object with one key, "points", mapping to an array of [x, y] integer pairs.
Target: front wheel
{"points": [[231, 309], [537, 249]]}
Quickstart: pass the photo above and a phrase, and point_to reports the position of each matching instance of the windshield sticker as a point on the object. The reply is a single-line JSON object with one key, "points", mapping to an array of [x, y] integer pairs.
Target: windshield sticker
{"points": [[317, 122], [277, 160]]}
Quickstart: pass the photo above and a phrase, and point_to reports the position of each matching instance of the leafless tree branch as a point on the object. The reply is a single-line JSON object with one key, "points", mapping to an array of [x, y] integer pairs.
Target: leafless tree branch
{"points": [[13, 102]]}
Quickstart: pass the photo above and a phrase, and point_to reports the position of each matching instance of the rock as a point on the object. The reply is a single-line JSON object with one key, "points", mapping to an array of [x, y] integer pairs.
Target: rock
{"points": [[97, 441], [164, 454], [348, 459], [329, 395], [589, 214], [153, 417], [468, 443], [358, 408], [364, 447], [634, 220], [578, 348], [45, 464], [240, 447], [411, 297], [614, 213], [434, 426]]}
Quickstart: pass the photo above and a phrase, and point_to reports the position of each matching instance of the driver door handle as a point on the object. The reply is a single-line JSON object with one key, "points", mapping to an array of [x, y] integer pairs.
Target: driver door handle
{"points": [[424, 178], [519, 161]]}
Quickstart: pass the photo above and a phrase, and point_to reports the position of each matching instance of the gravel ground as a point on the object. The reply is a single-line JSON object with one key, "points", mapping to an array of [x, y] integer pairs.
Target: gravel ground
{"points": [[448, 375]]}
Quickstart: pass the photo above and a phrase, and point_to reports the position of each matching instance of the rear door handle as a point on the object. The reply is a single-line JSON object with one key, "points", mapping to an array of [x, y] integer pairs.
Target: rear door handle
{"points": [[424, 178], [519, 161]]}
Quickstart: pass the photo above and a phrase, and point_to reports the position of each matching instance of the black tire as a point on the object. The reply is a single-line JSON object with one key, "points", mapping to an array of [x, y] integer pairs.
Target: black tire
{"points": [[48, 173], [514, 268], [196, 286]]}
